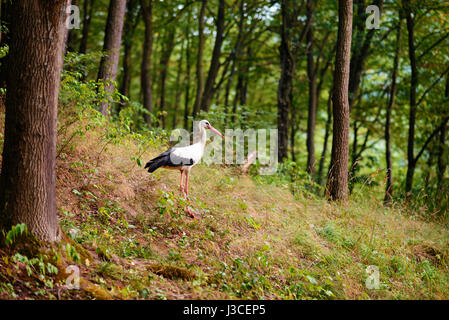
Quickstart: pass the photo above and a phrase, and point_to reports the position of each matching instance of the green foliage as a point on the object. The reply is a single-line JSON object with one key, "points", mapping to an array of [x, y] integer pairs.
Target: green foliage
{"points": [[17, 231]]}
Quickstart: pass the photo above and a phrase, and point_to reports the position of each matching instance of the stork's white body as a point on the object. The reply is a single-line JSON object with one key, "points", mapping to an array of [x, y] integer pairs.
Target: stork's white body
{"points": [[183, 158]]}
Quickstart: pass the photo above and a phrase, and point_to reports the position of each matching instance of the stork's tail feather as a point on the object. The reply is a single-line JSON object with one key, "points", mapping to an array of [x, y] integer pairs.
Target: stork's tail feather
{"points": [[155, 164]]}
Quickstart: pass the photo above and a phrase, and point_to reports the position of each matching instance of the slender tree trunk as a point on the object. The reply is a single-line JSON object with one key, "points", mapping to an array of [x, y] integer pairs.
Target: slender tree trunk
{"points": [[215, 61], [413, 106], [111, 47], [145, 76], [178, 91], [199, 61], [337, 185], [442, 149], [88, 7], [311, 75], [28, 178], [187, 78], [132, 14], [164, 63], [72, 35], [326, 138], [390, 105], [285, 82], [362, 43]]}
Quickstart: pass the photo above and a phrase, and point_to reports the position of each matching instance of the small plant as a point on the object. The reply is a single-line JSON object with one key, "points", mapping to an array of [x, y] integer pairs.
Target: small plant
{"points": [[16, 231], [72, 253]]}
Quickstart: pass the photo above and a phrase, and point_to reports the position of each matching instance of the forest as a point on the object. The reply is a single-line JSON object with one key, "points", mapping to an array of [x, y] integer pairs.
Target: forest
{"points": [[352, 97]]}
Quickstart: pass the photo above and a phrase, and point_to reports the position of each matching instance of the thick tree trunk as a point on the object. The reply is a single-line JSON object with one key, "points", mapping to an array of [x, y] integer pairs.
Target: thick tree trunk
{"points": [[199, 61], [28, 178], [337, 185], [311, 75], [145, 76], [88, 7], [390, 105], [111, 47], [285, 82], [413, 106], [209, 88]]}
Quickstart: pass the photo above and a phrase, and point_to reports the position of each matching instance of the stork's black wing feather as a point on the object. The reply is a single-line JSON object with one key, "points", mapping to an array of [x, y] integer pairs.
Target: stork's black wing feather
{"points": [[167, 159]]}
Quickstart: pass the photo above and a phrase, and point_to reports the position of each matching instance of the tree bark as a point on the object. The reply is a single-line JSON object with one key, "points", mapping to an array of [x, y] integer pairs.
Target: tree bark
{"points": [[442, 149], [311, 76], [187, 78], [111, 47], [326, 138], [413, 106], [163, 63], [132, 18], [285, 81], [390, 105], [28, 178], [209, 90], [178, 91], [72, 35], [337, 185], [362, 43], [199, 61], [145, 77], [88, 7]]}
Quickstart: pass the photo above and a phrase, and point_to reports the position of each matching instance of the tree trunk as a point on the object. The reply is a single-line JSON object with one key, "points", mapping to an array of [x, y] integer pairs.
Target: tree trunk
{"points": [[28, 178], [111, 47], [442, 149], [72, 34], [285, 81], [145, 77], [391, 101], [187, 79], [163, 63], [326, 138], [209, 90], [311, 75], [88, 7], [362, 43], [178, 91], [199, 61], [132, 18], [413, 106], [337, 185]]}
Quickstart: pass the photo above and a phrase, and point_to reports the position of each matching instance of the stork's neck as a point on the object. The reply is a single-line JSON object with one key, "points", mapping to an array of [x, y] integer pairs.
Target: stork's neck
{"points": [[203, 137]]}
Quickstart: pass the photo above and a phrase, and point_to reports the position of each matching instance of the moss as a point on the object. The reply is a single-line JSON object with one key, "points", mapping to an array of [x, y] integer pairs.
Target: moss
{"points": [[171, 272], [95, 290]]}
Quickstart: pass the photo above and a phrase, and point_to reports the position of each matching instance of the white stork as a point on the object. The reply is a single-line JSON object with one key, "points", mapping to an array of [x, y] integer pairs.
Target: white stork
{"points": [[183, 158]]}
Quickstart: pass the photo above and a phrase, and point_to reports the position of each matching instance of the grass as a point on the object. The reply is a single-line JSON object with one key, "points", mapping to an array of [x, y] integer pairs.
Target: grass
{"points": [[131, 238]]}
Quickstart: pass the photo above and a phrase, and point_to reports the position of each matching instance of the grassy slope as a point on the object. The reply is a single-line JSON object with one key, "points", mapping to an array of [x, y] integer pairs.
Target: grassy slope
{"points": [[253, 240]]}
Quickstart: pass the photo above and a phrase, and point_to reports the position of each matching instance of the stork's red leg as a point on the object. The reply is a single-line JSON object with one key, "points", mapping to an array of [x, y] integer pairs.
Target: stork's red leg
{"points": [[180, 184], [186, 185]]}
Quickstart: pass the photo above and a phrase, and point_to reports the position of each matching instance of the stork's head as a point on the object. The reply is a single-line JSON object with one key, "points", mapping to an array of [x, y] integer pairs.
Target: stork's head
{"points": [[204, 124]]}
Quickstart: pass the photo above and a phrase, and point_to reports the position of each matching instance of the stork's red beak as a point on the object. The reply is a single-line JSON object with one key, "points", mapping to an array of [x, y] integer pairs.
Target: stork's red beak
{"points": [[215, 131]]}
